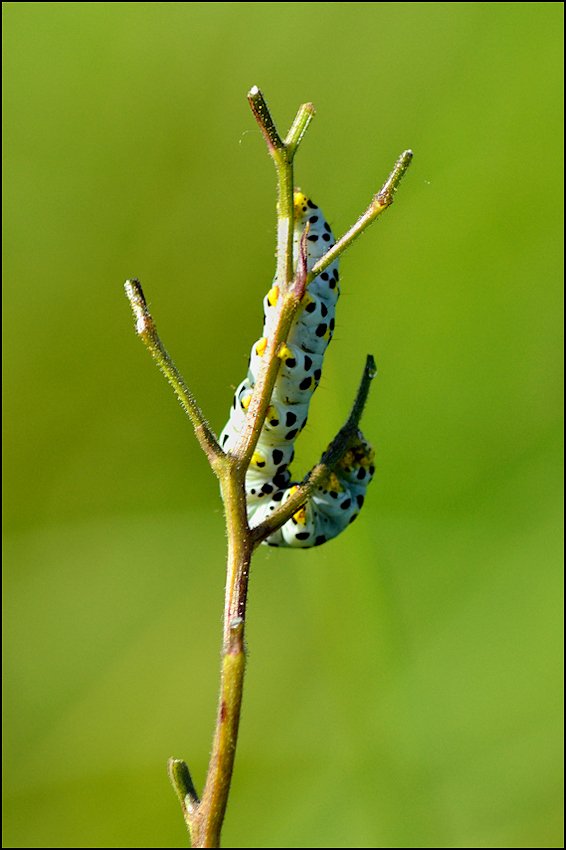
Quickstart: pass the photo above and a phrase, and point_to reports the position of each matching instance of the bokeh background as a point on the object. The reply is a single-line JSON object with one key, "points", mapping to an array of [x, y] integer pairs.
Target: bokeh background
{"points": [[404, 681]]}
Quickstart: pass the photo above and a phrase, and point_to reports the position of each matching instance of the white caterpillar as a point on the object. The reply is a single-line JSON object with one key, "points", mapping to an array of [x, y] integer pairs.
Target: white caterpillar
{"points": [[337, 502]]}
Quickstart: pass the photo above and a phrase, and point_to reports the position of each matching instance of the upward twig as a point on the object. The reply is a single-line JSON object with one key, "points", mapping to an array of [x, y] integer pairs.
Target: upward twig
{"points": [[145, 328]]}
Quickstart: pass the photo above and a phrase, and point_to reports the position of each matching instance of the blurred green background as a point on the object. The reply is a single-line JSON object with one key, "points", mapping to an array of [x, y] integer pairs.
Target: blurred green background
{"points": [[404, 682]]}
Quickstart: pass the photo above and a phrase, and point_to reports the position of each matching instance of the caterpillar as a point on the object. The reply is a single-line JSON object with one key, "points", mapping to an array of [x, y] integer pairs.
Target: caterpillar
{"points": [[337, 502]]}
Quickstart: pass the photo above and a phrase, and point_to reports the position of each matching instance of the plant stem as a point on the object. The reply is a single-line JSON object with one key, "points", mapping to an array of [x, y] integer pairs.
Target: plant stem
{"points": [[206, 831], [204, 817]]}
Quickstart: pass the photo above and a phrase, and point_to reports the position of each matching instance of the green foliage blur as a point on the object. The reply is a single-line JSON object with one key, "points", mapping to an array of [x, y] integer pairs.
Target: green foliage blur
{"points": [[404, 681]]}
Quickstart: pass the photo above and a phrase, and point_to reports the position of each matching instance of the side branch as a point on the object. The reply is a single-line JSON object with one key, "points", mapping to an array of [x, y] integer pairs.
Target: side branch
{"points": [[333, 455], [145, 328], [185, 790], [298, 129], [379, 203]]}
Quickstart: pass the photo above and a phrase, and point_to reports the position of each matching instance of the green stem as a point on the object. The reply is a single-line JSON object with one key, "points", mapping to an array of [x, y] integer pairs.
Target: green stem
{"points": [[239, 549], [206, 831], [204, 819], [298, 129]]}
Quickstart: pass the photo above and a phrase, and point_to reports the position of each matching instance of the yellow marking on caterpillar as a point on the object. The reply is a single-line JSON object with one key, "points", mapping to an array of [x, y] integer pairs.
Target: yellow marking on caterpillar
{"points": [[363, 454], [261, 346], [271, 415], [300, 202], [331, 484], [368, 457], [285, 353], [306, 300], [299, 516], [334, 484], [246, 402], [358, 455], [348, 460], [258, 459], [273, 295]]}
